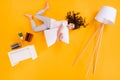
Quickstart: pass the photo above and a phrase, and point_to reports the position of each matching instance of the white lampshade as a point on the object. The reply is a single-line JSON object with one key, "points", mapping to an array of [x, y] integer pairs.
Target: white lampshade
{"points": [[106, 15]]}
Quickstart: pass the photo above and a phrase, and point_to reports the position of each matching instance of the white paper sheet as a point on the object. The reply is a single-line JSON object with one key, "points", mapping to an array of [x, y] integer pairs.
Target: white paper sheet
{"points": [[51, 35], [21, 54]]}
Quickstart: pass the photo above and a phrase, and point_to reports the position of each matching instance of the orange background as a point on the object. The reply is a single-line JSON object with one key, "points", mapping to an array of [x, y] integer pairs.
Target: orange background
{"points": [[55, 63]]}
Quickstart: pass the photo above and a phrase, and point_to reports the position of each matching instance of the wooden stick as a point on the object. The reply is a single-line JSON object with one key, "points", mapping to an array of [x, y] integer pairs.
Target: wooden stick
{"points": [[80, 55], [94, 67], [93, 53]]}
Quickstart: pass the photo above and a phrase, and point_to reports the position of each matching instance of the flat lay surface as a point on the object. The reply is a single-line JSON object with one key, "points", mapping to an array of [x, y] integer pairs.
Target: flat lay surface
{"points": [[55, 62]]}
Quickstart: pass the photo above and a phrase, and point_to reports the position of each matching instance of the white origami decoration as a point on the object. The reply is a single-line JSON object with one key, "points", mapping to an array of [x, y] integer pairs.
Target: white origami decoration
{"points": [[51, 35], [106, 15], [21, 54]]}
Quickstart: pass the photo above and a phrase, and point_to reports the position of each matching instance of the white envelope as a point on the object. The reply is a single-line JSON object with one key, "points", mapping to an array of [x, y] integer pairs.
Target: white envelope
{"points": [[21, 54], [51, 35]]}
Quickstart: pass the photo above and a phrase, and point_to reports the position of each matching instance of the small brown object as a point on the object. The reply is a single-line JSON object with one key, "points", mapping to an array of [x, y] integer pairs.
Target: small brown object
{"points": [[16, 45], [28, 37]]}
